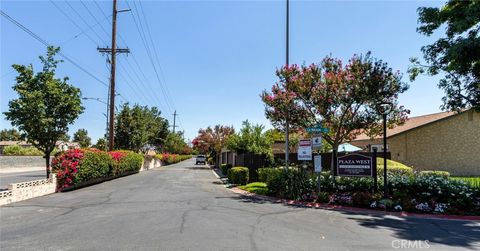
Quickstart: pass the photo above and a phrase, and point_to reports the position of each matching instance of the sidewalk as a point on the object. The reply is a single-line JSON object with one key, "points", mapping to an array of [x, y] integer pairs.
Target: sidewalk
{"points": [[5, 170]]}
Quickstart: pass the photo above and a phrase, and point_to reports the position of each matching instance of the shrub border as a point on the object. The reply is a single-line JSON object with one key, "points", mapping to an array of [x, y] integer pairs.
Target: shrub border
{"points": [[95, 181]]}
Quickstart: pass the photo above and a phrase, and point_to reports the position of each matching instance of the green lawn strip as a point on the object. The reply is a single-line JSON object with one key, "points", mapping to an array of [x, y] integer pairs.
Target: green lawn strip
{"points": [[255, 187], [474, 182]]}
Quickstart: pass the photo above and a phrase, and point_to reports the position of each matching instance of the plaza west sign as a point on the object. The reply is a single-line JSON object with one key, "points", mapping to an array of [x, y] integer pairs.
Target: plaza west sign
{"points": [[355, 165]]}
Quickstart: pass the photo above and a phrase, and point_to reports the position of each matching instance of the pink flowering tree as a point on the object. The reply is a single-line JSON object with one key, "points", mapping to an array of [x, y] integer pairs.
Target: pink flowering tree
{"points": [[340, 97]]}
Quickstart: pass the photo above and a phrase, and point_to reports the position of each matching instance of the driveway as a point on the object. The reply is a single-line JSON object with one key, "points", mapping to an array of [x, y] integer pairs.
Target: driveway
{"points": [[184, 207]]}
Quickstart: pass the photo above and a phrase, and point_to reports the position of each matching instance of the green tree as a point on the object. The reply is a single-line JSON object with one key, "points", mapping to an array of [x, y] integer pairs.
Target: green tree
{"points": [[45, 105], [65, 137], [457, 55], [342, 98], [212, 140], [139, 126], [250, 139], [81, 137], [174, 143], [10, 135], [101, 144]]}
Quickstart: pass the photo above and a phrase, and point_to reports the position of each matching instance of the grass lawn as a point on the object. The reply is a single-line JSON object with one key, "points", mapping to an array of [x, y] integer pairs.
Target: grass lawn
{"points": [[256, 187], [472, 181]]}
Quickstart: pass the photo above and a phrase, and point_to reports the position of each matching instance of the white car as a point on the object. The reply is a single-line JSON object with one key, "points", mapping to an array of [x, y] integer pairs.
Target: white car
{"points": [[201, 159]]}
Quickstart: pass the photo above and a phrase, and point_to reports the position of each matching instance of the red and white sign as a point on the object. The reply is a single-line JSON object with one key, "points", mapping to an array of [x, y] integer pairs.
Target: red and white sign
{"points": [[304, 149]]}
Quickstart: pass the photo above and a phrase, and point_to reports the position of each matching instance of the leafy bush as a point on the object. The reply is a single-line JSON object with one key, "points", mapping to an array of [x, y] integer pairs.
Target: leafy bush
{"points": [[362, 199], [443, 174], [65, 166], [290, 184], [264, 173], [78, 166], [238, 175], [323, 197], [256, 187], [225, 167], [169, 158], [17, 150], [94, 164], [126, 161], [393, 167], [473, 182]]}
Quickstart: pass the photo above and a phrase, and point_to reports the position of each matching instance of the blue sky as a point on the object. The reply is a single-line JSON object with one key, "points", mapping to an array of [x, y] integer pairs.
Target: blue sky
{"points": [[214, 57]]}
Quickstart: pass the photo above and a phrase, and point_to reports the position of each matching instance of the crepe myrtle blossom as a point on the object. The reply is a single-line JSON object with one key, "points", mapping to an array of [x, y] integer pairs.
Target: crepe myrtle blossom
{"points": [[342, 97]]}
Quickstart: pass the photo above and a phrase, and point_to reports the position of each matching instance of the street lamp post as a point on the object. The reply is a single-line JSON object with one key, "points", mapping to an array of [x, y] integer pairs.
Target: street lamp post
{"points": [[384, 108]]}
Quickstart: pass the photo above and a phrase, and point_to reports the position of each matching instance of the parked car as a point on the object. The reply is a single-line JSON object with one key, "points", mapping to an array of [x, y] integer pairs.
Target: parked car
{"points": [[201, 159]]}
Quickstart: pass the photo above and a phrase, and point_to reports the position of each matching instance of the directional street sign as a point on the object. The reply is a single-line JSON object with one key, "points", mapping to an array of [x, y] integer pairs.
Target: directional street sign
{"points": [[318, 129]]}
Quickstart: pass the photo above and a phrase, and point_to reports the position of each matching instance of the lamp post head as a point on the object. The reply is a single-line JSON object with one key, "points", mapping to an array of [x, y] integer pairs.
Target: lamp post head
{"points": [[384, 107]]}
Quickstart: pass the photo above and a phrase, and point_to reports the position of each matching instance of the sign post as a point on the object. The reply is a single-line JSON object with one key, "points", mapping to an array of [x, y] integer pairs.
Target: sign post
{"points": [[317, 163]]}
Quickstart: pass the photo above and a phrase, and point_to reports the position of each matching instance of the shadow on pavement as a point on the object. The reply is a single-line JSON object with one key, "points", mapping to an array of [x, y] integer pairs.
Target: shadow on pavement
{"points": [[453, 233]]}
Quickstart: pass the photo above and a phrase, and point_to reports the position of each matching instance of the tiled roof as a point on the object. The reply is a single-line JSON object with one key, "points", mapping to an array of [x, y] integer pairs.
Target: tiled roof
{"points": [[411, 123]]}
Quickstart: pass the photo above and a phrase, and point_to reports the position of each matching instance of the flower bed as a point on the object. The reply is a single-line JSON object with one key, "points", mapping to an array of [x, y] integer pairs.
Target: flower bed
{"points": [[169, 158], [78, 167], [426, 192]]}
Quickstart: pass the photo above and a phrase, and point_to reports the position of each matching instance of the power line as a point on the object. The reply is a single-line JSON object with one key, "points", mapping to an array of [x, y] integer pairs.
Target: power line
{"points": [[146, 87], [41, 40], [156, 56], [141, 31]]}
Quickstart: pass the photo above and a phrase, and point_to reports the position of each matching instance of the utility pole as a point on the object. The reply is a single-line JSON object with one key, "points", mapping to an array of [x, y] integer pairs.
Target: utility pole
{"points": [[174, 120], [113, 50], [287, 149]]}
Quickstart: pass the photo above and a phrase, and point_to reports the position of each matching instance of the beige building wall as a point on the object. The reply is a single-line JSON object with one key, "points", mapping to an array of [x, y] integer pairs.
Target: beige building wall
{"points": [[451, 144]]}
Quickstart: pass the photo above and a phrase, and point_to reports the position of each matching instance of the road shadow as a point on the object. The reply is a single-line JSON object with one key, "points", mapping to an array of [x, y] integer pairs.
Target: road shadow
{"points": [[454, 233], [199, 168]]}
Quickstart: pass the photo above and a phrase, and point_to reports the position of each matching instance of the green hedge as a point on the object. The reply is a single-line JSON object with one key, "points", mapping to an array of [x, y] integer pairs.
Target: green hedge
{"points": [[169, 158], [443, 174], [238, 175], [225, 167], [81, 166], [94, 165], [17, 150]]}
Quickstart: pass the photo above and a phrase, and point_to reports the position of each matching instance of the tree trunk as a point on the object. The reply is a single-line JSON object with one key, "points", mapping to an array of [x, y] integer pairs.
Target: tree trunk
{"points": [[47, 163]]}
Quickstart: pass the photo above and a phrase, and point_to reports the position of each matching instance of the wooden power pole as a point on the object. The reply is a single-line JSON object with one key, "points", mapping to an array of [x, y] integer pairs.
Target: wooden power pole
{"points": [[174, 120], [113, 50]]}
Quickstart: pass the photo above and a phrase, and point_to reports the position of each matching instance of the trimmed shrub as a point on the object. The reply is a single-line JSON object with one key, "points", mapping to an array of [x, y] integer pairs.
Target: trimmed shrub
{"points": [[225, 167], [362, 199], [94, 164], [17, 150], [323, 197], [265, 172], [290, 184], [78, 166], [393, 167], [443, 174], [125, 162], [169, 158], [65, 165], [238, 175], [256, 187]]}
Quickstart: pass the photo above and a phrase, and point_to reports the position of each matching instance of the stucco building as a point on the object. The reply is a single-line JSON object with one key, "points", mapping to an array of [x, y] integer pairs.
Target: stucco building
{"points": [[442, 141]]}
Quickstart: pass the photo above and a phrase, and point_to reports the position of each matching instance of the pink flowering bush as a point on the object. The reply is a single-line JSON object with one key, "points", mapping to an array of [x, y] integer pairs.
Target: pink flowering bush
{"points": [[78, 166], [170, 158]]}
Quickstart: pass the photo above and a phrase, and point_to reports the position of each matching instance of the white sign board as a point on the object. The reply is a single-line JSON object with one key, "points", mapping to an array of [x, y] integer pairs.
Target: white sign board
{"points": [[304, 149], [317, 142], [317, 163]]}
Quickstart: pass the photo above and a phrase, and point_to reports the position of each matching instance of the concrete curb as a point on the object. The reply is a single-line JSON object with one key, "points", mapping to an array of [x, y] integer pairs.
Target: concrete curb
{"points": [[352, 209]]}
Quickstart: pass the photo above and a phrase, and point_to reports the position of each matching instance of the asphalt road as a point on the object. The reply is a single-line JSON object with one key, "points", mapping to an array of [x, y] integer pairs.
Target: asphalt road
{"points": [[8, 178], [182, 207]]}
